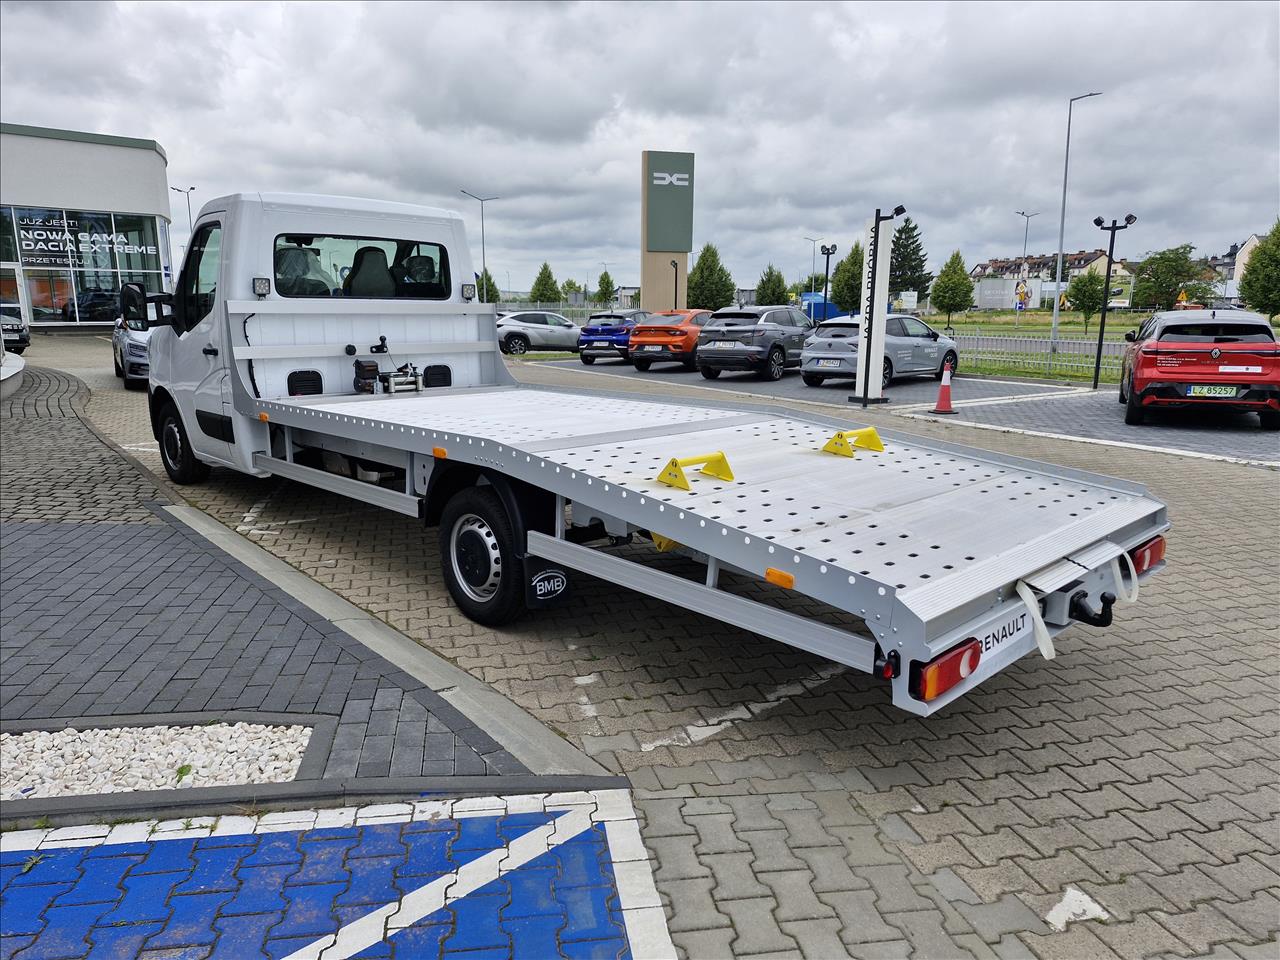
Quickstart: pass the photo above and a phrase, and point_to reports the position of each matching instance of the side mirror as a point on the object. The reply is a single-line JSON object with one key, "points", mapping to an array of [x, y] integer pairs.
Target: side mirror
{"points": [[133, 302], [1131, 336], [933, 334]]}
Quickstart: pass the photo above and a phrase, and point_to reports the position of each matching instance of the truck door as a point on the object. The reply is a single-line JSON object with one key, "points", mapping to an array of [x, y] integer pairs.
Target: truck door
{"points": [[199, 373]]}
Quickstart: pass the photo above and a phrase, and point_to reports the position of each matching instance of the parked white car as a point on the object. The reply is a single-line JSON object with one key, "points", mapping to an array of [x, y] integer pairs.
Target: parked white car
{"points": [[129, 341], [528, 329]]}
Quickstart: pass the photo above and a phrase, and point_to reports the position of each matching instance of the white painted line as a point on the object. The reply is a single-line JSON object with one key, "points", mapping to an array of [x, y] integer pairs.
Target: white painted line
{"points": [[1075, 905], [642, 913], [1172, 451], [994, 401], [697, 732], [374, 926]]}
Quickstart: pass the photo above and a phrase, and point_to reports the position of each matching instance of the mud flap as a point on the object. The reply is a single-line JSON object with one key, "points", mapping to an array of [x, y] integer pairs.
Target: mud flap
{"points": [[545, 583]]}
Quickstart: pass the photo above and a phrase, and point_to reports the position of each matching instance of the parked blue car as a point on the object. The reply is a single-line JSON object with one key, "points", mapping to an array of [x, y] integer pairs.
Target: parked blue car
{"points": [[608, 334]]}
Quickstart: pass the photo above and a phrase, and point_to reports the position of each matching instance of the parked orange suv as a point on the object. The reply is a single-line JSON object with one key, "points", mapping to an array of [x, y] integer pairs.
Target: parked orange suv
{"points": [[668, 337]]}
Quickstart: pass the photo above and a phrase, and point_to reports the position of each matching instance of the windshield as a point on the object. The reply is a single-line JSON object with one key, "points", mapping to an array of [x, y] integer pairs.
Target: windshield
{"points": [[1217, 332], [607, 318], [839, 331], [660, 320], [366, 268]]}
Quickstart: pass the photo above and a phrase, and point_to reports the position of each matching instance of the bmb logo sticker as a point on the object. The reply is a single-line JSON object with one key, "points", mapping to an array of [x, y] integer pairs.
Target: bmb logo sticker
{"points": [[550, 583]]}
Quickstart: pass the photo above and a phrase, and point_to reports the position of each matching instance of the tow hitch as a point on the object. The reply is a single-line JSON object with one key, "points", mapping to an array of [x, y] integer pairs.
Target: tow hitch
{"points": [[1080, 609]]}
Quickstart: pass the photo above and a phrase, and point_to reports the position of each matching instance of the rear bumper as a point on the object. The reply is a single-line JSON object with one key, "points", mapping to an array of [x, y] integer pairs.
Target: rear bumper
{"points": [[848, 366], [604, 347], [641, 351], [1249, 396], [17, 338], [747, 359]]}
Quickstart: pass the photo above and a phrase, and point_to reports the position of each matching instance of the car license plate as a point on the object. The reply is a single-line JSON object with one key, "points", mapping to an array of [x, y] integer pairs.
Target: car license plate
{"points": [[11, 336], [652, 346], [723, 344], [829, 363], [1211, 391]]}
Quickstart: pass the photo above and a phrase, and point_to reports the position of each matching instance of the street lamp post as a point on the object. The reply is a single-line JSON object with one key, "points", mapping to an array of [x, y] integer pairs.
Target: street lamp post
{"points": [[187, 191], [869, 307], [675, 285], [484, 266], [1115, 228], [813, 262], [1062, 226], [1025, 231], [827, 251]]}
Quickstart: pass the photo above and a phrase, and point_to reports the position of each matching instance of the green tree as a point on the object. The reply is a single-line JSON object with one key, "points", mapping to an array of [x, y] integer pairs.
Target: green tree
{"points": [[570, 286], [489, 292], [605, 291], [1260, 285], [812, 282], [846, 280], [772, 288], [1167, 273], [1086, 293], [545, 289], [953, 290], [710, 285], [908, 261]]}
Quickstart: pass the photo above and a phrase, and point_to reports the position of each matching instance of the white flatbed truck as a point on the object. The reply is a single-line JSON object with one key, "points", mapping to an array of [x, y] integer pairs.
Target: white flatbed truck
{"points": [[337, 343]]}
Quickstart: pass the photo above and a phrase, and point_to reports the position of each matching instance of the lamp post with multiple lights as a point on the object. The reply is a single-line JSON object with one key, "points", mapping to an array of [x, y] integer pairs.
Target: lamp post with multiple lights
{"points": [[1062, 225], [484, 266], [1115, 228], [827, 251]]}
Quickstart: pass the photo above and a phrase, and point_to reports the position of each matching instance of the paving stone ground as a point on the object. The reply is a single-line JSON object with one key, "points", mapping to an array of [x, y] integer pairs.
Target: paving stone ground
{"points": [[1140, 767], [113, 610]]}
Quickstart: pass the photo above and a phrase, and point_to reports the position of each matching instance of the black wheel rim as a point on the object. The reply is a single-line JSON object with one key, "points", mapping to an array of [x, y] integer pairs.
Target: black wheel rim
{"points": [[171, 444]]}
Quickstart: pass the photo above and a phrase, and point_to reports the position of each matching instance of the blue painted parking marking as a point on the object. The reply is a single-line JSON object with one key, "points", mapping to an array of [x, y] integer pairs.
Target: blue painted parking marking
{"points": [[538, 883]]}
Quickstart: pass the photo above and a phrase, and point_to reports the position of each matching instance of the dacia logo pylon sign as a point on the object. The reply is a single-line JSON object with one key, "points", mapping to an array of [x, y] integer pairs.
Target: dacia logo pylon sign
{"points": [[668, 183]]}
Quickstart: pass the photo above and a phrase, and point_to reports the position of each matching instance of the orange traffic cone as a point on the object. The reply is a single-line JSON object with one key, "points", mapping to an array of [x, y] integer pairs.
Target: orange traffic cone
{"points": [[944, 392]]}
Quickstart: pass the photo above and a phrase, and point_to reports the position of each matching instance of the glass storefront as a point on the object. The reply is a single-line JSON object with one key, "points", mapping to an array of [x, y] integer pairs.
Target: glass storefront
{"points": [[71, 263]]}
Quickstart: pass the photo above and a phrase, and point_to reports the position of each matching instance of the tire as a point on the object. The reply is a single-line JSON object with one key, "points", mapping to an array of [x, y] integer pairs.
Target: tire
{"points": [[709, 373], [886, 375], [175, 449], [948, 357], [1134, 415], [517, 344], [1122, 396], [134, 383], [1269, 419], [478, 557], [642, 365], [115, 362], [587, 358], [774, 365], [811, 379], [690, 365]]}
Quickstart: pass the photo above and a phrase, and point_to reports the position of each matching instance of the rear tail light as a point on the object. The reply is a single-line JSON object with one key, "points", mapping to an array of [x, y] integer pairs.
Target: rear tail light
{"points": [[931, 680], [1148, 555]]}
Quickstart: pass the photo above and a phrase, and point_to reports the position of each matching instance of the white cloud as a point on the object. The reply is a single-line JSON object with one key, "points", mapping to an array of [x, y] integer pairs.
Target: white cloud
{"points": [[803, 117]]}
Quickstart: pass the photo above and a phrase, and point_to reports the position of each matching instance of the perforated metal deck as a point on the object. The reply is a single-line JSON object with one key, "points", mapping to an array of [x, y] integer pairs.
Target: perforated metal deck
{"points": [[924, 523]]}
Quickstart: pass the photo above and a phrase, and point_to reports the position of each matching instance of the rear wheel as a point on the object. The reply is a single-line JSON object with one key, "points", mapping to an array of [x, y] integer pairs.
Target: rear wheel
{"points": [[774, 365], [642, 365], [709, 373], [478, 557], [517, 344], [587, 358], [950, 358], [175, 449], [1133, 412], [690, 364], [886, 374], [1270, 419], [811, 379]]}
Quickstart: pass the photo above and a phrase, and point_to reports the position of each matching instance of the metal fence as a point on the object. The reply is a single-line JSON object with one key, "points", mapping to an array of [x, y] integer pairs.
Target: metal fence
{"points": [[1033, 355], [576, 313]]}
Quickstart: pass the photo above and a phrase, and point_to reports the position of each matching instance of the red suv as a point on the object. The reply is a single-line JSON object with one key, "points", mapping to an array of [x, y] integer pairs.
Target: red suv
{"points": [[1204, 358], [668, 336]]}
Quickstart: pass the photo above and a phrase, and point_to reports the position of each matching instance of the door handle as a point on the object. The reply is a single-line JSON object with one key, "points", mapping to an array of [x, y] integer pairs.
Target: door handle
{"points": [[210, 350]]}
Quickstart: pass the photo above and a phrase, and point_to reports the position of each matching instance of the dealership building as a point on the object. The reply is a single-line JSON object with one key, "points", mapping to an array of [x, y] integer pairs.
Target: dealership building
{"points": [[80, 213]]}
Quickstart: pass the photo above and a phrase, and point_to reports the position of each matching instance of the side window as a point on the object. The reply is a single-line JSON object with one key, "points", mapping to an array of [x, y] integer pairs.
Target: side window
{"points": [[915, 328], [199, 284], [893, 327], [700, 319], [555, 320], [537, 319], [800, 320]]}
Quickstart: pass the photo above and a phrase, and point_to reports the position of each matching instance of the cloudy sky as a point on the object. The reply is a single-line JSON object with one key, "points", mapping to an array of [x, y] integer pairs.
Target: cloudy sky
{"points": [[803, 118]]}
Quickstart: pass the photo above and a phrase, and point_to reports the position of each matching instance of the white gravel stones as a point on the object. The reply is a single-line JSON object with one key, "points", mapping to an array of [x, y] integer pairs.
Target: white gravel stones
{"points": [[112, 760]]}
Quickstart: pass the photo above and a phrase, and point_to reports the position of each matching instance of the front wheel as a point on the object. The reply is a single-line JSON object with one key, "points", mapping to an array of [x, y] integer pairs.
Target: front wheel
{"points": [[1133, 412], [587, 358], [180, 462], [811, 379], [886, 374], [478, 557], [517, 345], [709, 373], [950, 358], [774, 365], [642, 365]]}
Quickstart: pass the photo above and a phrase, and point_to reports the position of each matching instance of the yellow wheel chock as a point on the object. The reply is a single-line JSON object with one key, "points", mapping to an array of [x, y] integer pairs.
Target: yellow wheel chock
{"points": [[663, 544], [713, 465], [845, 442]]}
